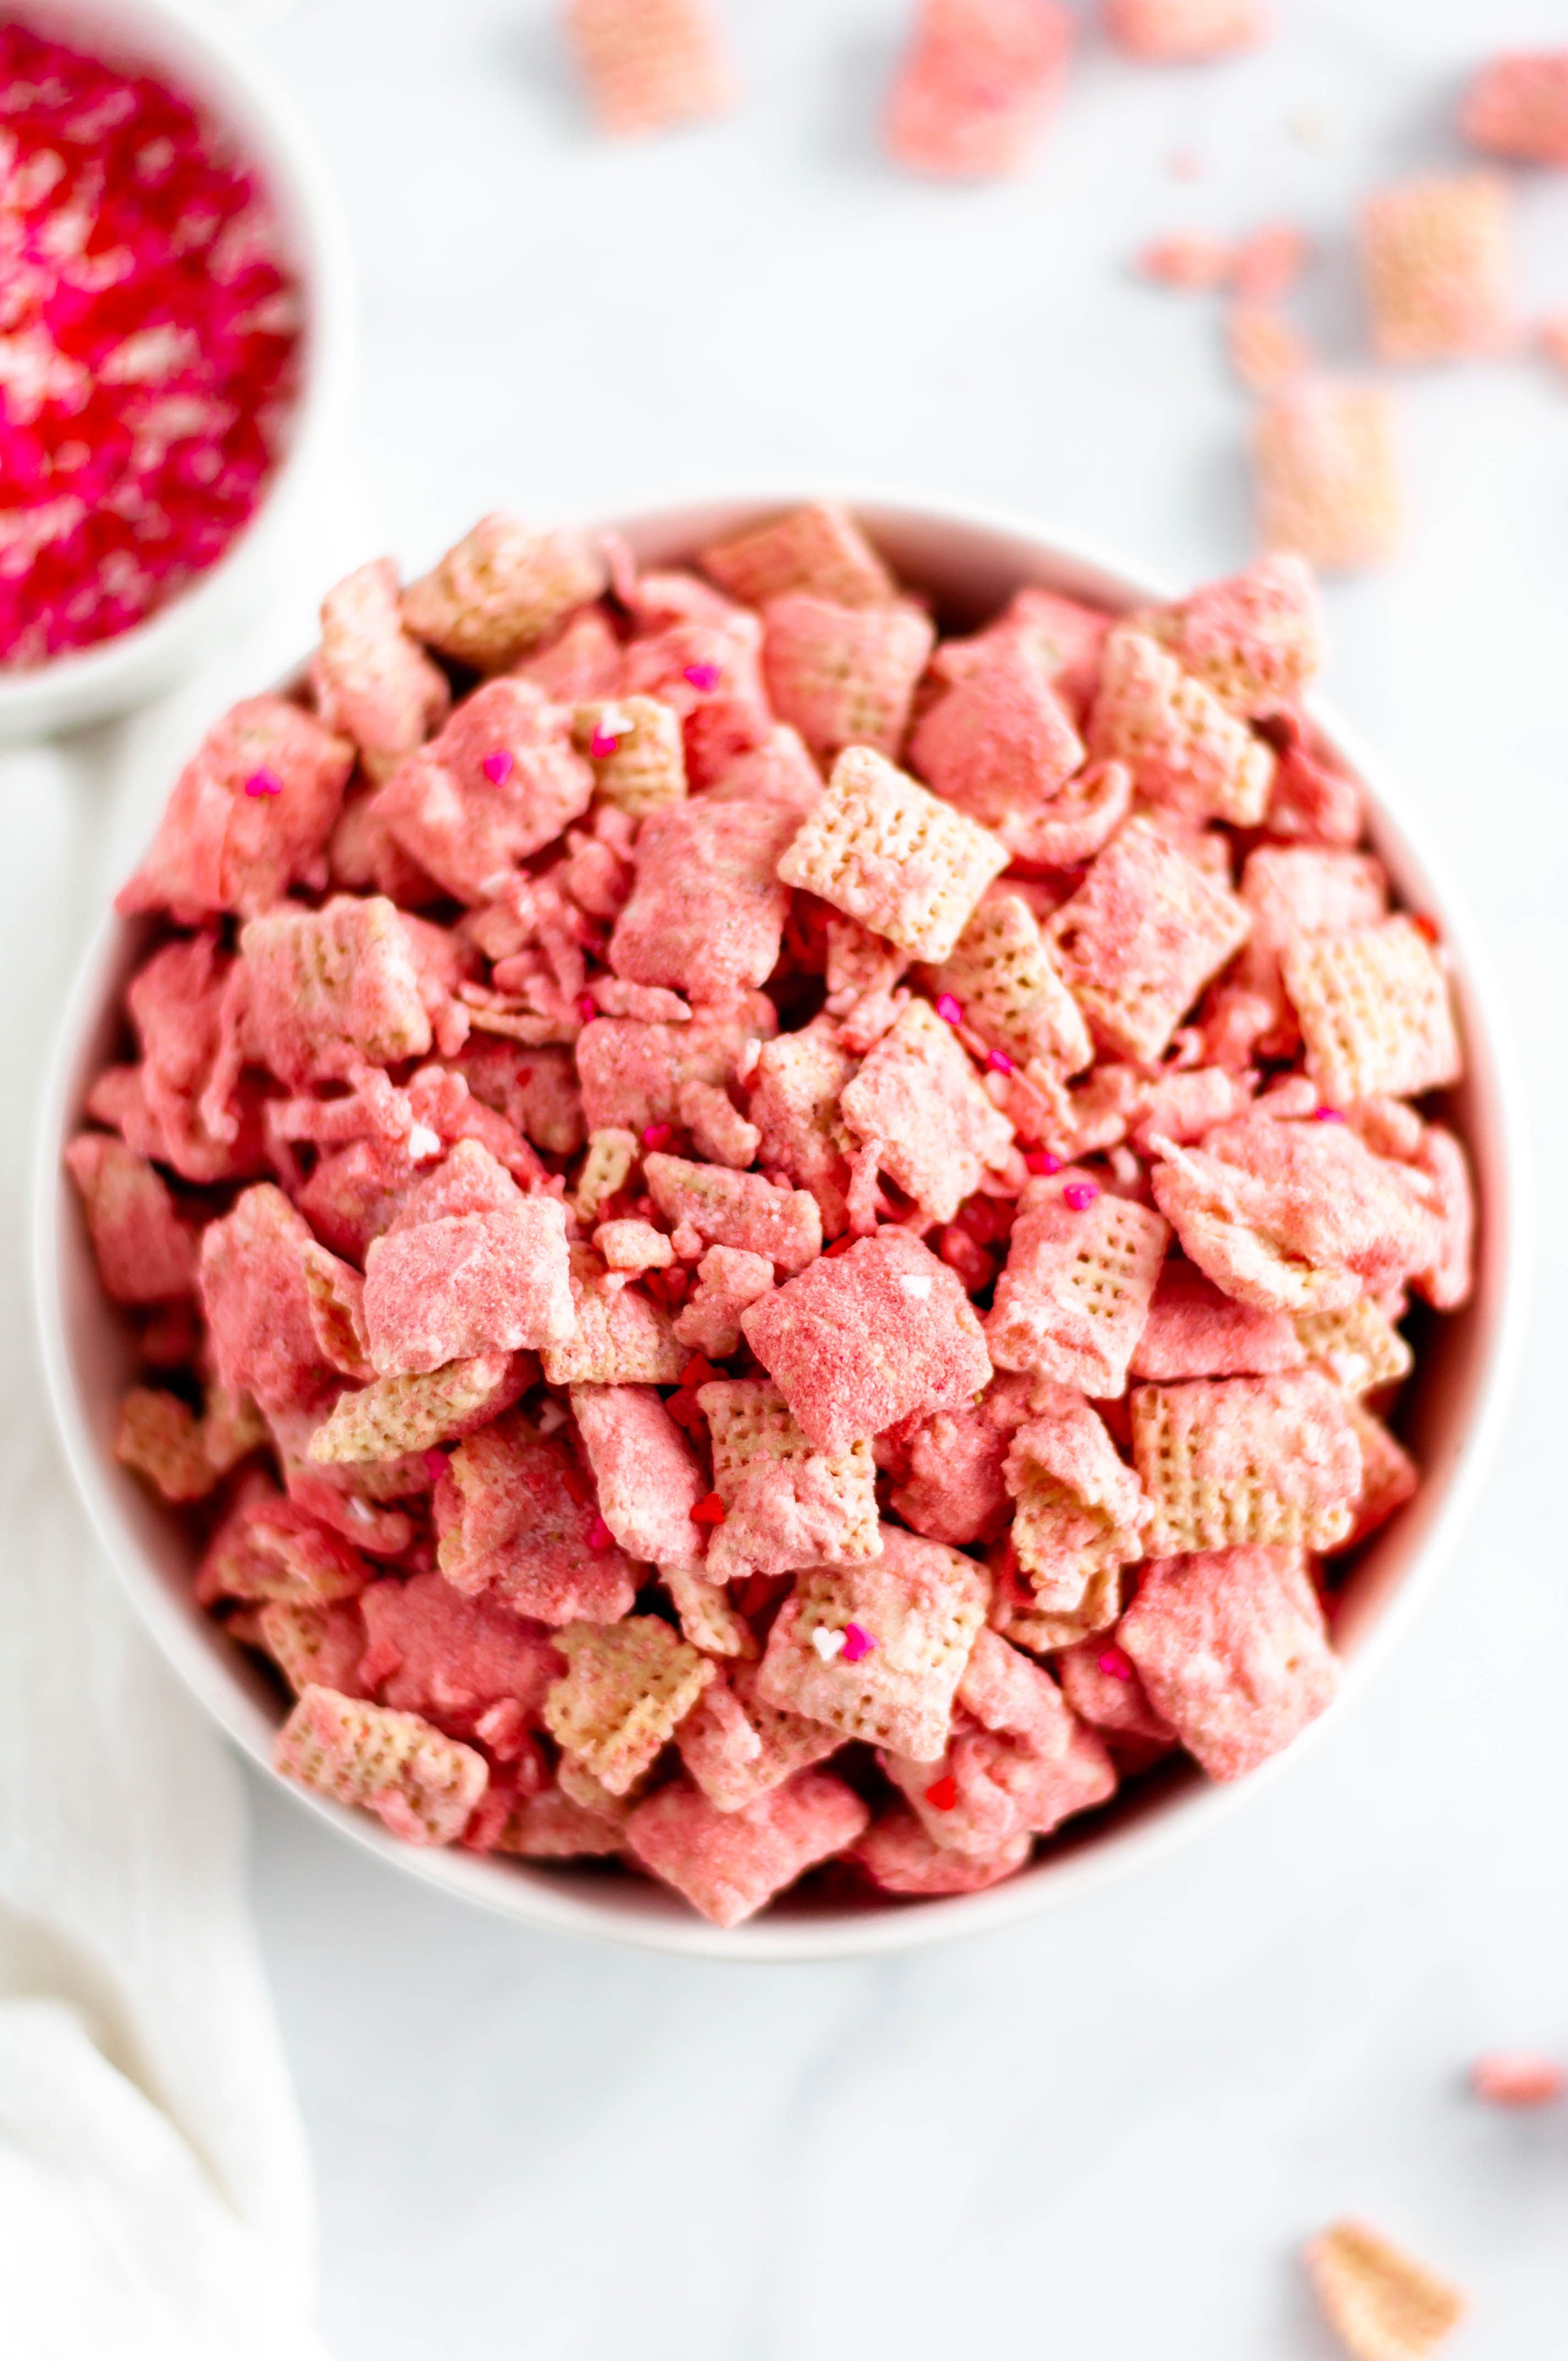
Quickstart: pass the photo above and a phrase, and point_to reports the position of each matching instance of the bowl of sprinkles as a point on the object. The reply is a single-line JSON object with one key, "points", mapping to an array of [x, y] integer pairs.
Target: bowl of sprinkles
{"points": [[173, 295]]}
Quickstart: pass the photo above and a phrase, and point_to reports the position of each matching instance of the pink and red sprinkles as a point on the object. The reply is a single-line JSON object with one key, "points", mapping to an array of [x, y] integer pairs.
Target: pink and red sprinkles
{"points": [[497, 767], [149, 347], [264, 782], [857, 1644], [1081, 1194]]}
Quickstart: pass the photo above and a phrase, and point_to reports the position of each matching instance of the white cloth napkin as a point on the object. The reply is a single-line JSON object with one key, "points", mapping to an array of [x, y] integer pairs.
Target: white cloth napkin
{"points": [[155, 2198]]}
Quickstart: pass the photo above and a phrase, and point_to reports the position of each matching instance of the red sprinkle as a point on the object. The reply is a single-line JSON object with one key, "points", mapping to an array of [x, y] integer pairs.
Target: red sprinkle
{"points": [[657, 1135], [942, 1795], [435, 1464], [950, 1010], [599, 1535], [857, 1644], [603, 743], [1040, 1159], [264, 783], [1000, 1062], [1081, 1194], [699, 1372], [1425, 925], [704, 676], [496, 766], [710, 1511], [1327, 1115], [153, 337], [587, 1007], [1118, 1665], [575, 1487]]}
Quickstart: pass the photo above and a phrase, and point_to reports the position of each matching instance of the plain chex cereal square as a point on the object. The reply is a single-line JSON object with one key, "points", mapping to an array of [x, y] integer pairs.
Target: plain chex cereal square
{"points": [[1237, 1460], [819, 548], [1328, 474], [1375, 1012], [1001, 974], [1184, 748], [630, 1684], [883, 850], [1072, 1302], [1142, 937], [499, 589]]}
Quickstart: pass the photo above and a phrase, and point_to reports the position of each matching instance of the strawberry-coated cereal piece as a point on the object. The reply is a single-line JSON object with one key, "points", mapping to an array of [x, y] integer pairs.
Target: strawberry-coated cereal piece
{"points": [[1063, 637], [1140, 939], [502, 779], [371, 681], [1269, 263], [536, 1089], [629, 1686], [1437, 272], [787, 1504], [271, 1548], [737, 1209], [1173, 32], [394, 1415], [544, 1828], [1517, 2077], [882, 850], [1008, 1692], [160, 1437], [1186, 752], [919, 1100], [1517, 106], [644, 1471], [332, 990], [634, 745], [953, 1490], [145, 1252], [470, 1181], [1265, 353], [720, 1133], [1001, 740], [735, 1747], [313, 1647], [351, 1196], [1194, 1330], [1076, 824], [977, 86], [797, 1083], [257, 1304], [1374, 1011], [1359, 1348], [988, 1787], [1100, 1682], [1236, 1460], [633, 1074], [1201, 263], [622, 1338], [1382, 2305], [336, 1294], [579, 661], [423, 1784], [1254, 640], [633, 1246], [499, 590], [898, 1856], [706, 913], [649, 63], [184, 1007], [882, 1333], [1302, 890], [727, 1865], [779, 771], [708, 1617], [468, 1283], [1230, 1649], [249, 817], [513, 1514], [920, 1604], [1080, 1510], [844, 676], [1001, 974], [1188, 1102], [1328, 475], [819, 549], [1389, 1475], [1072, 1303], [433, 1652], [728, 1281]]}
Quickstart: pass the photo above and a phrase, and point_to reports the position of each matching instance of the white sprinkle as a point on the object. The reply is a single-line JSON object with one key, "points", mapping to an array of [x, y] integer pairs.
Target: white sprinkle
{"points": [[551, 1415], [616, 722], [915, 1283], [424, 1143], [827, 1643]]}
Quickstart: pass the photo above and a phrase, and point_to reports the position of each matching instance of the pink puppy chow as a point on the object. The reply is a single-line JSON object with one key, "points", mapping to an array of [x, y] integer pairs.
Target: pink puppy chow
{"points": [[649, 63], [1230, 1649], [1327, 465], [988, 1787], [469, 1283], [737, 1209], [1518, 107], [918, 1102], [706, 913], [1186, 751], [257, 1304], [330, 991], [249, 817], [953, 1490], [423, 1784], [1175, 32], [882, 1333], [1142, 937], [1194, 1330], [633, 1074], [372, 683], [1001, 740], [1063, 637], [727, 1865], [977, 86], [499, 590], [515, 1513], [1438, 276], [898, 1856], [844, 676], [203, 1115], [819, 548], [1080, 1274], [468, 1664], [646, 1471], [737, 1748], [1099, 1681], [144, 1250], [500, 781], [1255, 639]]}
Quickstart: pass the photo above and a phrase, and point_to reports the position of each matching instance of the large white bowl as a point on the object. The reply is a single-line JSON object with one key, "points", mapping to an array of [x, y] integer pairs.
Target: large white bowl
{"points": [[969, 566], [190, 48]]}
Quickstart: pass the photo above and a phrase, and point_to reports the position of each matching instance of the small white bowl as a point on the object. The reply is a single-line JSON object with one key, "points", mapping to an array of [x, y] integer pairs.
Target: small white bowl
{"points": [[197, 55], [970, 565]]}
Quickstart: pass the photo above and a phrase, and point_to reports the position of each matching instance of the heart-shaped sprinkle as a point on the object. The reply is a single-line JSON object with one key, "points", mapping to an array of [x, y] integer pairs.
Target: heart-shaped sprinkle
{"points": [[497, 767], [827, 1643], [703, 676], [264, 783], [424, 1143], [857, 1644]]}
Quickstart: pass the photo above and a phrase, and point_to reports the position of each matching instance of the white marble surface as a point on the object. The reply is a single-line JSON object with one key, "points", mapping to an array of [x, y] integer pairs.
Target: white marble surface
{"points": [[1101, 2136]]}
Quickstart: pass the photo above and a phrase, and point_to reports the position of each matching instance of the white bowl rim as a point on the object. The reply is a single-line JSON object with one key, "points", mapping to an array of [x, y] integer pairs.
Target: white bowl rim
{"points": [[91, 684], [531, 1897]]}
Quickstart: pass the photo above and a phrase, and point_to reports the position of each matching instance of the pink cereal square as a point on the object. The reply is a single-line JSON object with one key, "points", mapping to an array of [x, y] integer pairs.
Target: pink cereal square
{"points": [[818, 548], [1001, 740], [1517, 106], [1178, 32], [580, 660], [257, 1304], [621, 1337], [353, 1194], [988, 1787], [1265, 353], [1141, 935], [649, 63], [332, 990], [920, 1604], [1008, 1692], [513, 1514], [269, 1547], [468, 1180], [729, 1864], [1327, 467], [728, 1281], [952, 1490], [736, 1748], [1374, 1010], [644, 1471], [392, 1416], [706, 913], [1388, 1475], [468, 1283], [882, 1332], [919, 1100], [1194, 1330], [431, 1650], [1072, 1301], [1254, 640], [1230, 1649], [424, 1785], [1186, 750], [372, 681], [1080, 1509], [796, 1085], [218, 848], [631, 1072], [900, 1858], [881, 849], [977, 84], [499, 590], [1100, 1682], [1063, 637], [466, 825], [786, 1503], [144, 1251], [1437, 268], [844, 676], [316, 1647], [1230, 1461], [737, 1209]]}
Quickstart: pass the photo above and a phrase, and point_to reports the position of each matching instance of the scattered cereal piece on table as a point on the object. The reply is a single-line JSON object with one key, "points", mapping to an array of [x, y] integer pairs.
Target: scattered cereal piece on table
{"points": [[1382, 2305], [1517, 106], [1328, 475], [1436, 257]]}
